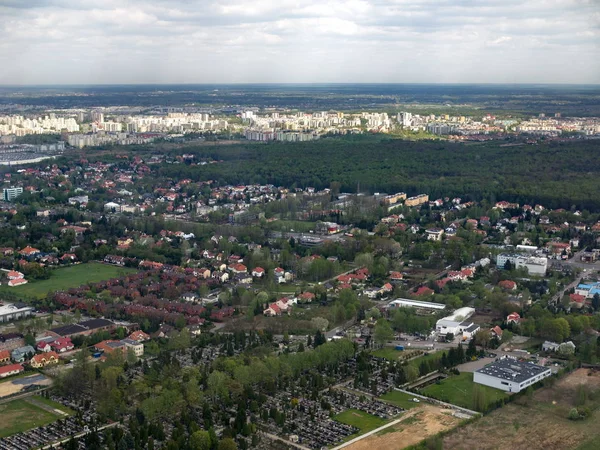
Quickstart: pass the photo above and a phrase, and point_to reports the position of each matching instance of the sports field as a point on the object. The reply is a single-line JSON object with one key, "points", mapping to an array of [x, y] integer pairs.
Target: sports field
{"points": [[67, 277]]}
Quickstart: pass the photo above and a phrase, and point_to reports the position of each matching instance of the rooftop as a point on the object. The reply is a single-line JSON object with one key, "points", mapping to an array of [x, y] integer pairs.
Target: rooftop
{"points": [[512, 370]]}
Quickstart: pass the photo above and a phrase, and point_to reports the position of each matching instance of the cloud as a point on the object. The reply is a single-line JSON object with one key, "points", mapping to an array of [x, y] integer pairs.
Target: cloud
{"points": [[154, 41]]}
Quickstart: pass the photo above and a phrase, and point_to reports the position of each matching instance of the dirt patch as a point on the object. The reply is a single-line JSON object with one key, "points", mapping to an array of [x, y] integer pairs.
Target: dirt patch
{"points": [[539, 423], [417, 424], [15, 386]]}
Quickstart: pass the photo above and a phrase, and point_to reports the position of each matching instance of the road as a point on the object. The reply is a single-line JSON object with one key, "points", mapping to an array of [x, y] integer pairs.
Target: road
{"points": [[291, 444], [560, 294]]}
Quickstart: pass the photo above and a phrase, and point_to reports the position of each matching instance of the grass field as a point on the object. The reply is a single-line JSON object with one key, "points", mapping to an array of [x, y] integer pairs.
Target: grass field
{"points": [[20, 415], [67, 277], [363, 421], [539, 423], [399, 399], [459, 390]]}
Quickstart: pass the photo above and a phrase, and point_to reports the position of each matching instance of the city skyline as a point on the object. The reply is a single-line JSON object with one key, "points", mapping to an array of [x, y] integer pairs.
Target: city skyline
{"points": [[56, 42]]}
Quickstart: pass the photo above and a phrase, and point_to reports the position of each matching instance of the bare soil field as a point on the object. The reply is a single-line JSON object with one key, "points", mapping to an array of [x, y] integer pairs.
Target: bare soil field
{"points": [[16, 385], [417, 424], [538, 423]]}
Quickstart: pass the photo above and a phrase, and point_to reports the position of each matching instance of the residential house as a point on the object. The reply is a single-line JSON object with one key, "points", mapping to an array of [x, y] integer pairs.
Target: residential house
{"points": [[11, 369], [306, 297], [238, 268], [139, 336], [223, 313], [62, 345], [20, 354], [44, 359], [497, 332], [434, 234], [43, 346], [424, 291], [513, 317], [508, 285], [4, 356], [258, 272]]}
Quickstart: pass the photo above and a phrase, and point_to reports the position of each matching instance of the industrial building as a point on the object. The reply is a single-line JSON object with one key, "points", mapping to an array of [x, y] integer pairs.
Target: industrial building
{"points": [[408, 303], [455, 323], [535, 265], [14, 311], [510, 375]]}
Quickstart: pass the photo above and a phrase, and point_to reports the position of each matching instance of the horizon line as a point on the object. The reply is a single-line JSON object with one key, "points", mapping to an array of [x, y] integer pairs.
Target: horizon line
{"points": [[362, 83]]}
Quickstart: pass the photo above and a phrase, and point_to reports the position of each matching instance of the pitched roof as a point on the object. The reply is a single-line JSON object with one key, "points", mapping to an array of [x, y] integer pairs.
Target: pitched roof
{"points": [[11, 368]]}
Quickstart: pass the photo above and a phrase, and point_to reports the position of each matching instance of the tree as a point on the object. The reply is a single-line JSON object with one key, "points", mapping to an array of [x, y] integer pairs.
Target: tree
{"points": [[596, 302], [383, 332], [320, 339], [320, 323], [227, 444], [200, 440]]}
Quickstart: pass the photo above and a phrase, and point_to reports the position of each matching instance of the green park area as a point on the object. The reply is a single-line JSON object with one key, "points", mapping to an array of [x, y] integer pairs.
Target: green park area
{"points": [[462, 391], [400, 399], [65, 278], [22, 415], [363, 421]]}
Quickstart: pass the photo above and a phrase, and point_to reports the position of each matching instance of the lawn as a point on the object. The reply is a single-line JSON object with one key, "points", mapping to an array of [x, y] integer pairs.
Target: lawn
{"points": [[67, 277], [433, 356], [19, 415], [399, 399], [459, 390], [388, 353], [363, 421]]}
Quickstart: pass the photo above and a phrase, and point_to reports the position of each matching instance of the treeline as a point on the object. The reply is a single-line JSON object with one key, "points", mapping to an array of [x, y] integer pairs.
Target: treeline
{"points": [[558, 175]]}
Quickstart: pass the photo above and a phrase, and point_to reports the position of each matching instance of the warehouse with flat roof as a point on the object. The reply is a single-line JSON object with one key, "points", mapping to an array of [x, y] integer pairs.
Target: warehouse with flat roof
{"points": [[510, 375], [408, 303]]}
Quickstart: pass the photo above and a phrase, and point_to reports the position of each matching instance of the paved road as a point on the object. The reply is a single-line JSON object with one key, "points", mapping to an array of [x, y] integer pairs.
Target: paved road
{"points": [[291, 444]]}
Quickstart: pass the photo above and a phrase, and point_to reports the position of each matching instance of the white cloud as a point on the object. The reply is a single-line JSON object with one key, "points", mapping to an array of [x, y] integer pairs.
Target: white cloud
{"points": [[128, 41]]}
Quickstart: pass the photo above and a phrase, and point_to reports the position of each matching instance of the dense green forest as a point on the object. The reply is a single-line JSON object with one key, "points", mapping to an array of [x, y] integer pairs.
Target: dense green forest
{"points": [[555, 174]]}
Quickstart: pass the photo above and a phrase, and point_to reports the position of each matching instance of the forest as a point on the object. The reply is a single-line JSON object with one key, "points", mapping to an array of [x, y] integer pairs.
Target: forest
{"points": [[555, 174]]}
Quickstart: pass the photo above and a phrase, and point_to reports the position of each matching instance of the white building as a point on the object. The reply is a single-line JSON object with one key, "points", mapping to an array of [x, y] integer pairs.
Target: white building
{"points": [[535, 265], [408, 303], [137, 347], [456, 322], [510, 375], [10, 311], [9, 194]]}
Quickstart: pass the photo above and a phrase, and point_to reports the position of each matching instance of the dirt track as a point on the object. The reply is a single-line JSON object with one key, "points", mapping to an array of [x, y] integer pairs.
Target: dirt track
{"points": [[417, 424]]}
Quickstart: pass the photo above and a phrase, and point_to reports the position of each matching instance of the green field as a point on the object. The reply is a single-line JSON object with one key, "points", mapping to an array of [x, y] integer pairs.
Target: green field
{"points": [[20, 415], [459, 390], [363, 421], [399, 399], [67, 277]]}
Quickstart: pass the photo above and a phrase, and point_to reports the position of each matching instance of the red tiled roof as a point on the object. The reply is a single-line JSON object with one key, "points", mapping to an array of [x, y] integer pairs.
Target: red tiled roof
{"points": [[11, 368]]}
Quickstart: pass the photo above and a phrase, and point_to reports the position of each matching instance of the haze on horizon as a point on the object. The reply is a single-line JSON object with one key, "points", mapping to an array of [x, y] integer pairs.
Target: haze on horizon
{"points": [[290, 41]]}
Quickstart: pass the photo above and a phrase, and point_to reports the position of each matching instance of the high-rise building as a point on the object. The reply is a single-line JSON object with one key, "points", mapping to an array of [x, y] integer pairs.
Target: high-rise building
{"points": [[9, 194]]}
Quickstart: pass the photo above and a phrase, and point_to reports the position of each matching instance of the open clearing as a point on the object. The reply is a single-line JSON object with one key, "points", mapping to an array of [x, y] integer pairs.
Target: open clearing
{"points": [[361, 420], [22, 415], [459, 390], [17, 384], [68, 277], [417, 424], [400, 399], [540, 423]]}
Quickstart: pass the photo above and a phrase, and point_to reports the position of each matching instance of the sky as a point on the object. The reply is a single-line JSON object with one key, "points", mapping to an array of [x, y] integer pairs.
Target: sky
{"points": [[299, 41]]}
